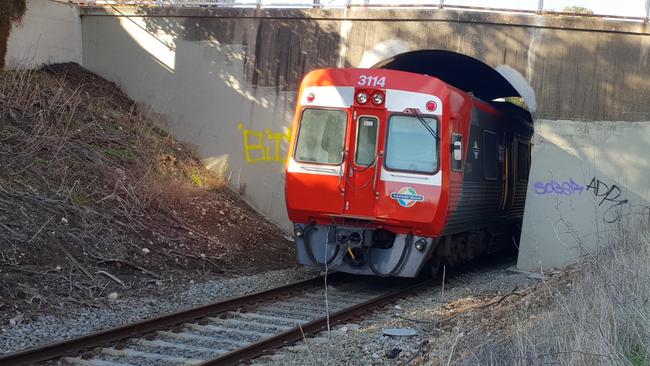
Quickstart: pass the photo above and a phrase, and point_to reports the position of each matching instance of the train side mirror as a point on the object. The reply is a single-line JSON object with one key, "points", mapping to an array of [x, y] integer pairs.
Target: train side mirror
{"points": [[457, 150]]}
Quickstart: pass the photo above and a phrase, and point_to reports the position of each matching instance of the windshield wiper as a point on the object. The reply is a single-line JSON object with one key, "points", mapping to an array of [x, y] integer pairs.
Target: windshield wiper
{"points": [[417, 114]]}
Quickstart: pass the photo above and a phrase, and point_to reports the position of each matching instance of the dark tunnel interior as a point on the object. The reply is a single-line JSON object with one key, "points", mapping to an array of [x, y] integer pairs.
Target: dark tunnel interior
{"points": [[461, 71]]}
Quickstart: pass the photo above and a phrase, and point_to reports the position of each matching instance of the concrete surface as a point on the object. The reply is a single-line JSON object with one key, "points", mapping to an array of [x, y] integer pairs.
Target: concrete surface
{"points": [[50, 32], [589, 182]]}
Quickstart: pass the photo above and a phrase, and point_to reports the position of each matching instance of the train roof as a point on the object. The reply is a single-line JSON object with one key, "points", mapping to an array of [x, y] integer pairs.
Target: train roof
{"points": [[404, 80]]}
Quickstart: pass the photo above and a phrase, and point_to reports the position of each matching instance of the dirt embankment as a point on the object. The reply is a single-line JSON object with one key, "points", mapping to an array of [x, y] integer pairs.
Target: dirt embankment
{"points": [[10, 11], [95, 199]]}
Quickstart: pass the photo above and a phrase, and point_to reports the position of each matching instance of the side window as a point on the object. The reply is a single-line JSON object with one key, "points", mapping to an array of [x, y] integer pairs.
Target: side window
{"points": [[523, 161], [456, 165], [489, 155]]}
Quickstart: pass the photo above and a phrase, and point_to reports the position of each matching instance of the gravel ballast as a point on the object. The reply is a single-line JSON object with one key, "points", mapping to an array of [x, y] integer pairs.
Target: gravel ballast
{"points": [[431, 313], [82, 320]]}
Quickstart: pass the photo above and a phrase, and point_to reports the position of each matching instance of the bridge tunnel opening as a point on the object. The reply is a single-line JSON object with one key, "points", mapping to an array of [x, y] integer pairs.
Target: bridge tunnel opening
{"points": [[502, 86]]}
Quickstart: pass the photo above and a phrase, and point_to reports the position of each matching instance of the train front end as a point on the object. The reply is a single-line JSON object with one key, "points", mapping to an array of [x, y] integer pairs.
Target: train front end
{"points": [[364, 175]]}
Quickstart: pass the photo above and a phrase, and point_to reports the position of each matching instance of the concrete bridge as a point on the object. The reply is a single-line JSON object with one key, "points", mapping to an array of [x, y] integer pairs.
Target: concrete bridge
{"points": [[226, 79]]}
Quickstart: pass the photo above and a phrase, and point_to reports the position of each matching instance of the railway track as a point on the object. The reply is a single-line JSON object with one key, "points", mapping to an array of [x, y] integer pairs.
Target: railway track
{"points": [[223, 333]]}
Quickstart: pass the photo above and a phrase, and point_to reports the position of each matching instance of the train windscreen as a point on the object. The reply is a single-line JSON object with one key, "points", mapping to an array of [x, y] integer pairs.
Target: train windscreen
{"points": [[410, 147], [321, 136]]}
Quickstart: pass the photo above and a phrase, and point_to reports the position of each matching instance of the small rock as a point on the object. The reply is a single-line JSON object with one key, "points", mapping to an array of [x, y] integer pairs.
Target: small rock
{"points": [[221, 212], [398, 307], [146, 250], [16, 320], [57, 268], [352, 326], [337, 333], [113, 296], [297, 348], [375, 355], [399, 332], [317, 340], [393, 353], [64, 220]]}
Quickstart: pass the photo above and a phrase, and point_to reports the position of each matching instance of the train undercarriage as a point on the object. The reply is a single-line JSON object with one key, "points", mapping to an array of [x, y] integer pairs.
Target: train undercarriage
{"points": [[383, 253]]}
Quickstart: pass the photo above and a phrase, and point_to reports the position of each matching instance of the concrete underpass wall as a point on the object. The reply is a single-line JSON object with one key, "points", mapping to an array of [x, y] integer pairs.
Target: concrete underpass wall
{"points": [[589, 182], [225, 80], [218, 84], [50, 32]]}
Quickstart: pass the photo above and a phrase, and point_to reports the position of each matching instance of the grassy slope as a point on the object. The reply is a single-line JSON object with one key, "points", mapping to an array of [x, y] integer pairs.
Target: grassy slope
{"points": [[90, 185]]}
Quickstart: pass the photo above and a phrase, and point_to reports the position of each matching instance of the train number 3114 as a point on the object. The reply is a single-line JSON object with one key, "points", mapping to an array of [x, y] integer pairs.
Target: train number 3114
{"points": [[366, 80]]}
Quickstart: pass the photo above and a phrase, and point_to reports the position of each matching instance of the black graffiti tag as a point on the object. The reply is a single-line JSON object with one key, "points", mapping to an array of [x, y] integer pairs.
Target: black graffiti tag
{"points": [[609, 196]]}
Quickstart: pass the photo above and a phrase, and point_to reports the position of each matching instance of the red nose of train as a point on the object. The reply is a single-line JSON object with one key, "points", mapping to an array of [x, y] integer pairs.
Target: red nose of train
{"points": [[365, 152]]}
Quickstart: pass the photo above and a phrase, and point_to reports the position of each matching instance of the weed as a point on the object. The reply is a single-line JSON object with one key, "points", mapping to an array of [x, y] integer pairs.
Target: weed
{"points": [[122, 153], [196, 179], [40, 162], [637, 355], [78, 199]]}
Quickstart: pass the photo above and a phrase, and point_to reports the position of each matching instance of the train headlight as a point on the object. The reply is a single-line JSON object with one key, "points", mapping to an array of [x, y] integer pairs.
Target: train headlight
{"points": [[362, 97], [298, 232], [377, 98], [420, 244]]}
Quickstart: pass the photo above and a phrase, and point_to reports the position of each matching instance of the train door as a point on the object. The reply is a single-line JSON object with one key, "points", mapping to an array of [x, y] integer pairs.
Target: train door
{"points": [[362, 159]]}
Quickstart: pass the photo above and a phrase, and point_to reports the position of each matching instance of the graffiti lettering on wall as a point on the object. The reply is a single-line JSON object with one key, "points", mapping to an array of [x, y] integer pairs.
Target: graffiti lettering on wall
{"points": [[567, 188], [607, 196], [610, 197], [264, 146]]}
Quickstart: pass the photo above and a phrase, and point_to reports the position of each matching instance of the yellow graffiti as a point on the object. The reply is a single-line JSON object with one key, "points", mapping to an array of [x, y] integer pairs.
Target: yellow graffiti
{"points": [[255, 145]]}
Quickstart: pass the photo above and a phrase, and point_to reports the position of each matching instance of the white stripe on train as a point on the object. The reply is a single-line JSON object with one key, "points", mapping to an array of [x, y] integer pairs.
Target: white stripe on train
{"points": [[343, 97]]}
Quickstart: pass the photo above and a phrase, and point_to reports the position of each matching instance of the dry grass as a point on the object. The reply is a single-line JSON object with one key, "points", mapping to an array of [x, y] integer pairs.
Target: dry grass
{"points": [[73, 157], [89, 184], [601, 318]]}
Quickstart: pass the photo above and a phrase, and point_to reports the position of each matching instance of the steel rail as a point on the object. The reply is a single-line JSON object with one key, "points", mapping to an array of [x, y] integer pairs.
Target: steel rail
{"points": [[36, 354], [295, 334]]}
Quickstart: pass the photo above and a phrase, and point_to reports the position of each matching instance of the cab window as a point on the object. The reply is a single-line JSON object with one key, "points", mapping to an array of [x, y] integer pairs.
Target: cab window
{"points": [[410, 147], [321, 136]]}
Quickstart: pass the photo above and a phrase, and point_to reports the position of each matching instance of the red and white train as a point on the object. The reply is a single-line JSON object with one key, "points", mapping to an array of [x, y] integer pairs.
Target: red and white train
{"points": [[389, 170]]}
